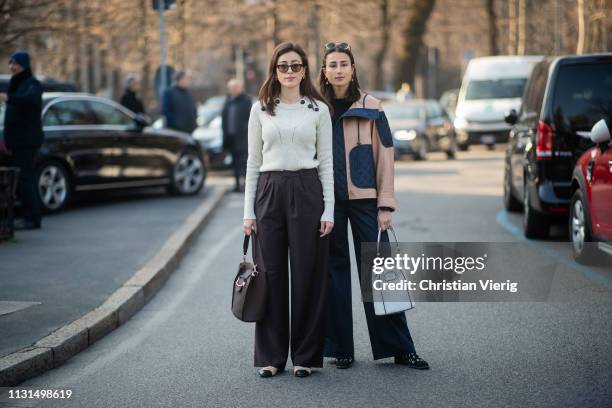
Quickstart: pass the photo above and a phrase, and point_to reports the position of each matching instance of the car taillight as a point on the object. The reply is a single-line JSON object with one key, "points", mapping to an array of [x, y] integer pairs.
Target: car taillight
{"points": [[544, 145]]}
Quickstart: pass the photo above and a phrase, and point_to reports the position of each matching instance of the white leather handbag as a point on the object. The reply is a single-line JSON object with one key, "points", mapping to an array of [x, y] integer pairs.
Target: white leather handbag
{"points": [[385, 302]]}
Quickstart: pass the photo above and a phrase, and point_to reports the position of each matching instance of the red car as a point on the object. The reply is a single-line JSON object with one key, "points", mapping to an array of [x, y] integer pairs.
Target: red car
{"points": [[590, 220]]}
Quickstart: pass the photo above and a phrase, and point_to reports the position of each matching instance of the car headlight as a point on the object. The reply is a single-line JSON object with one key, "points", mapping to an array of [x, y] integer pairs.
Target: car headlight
{"points": [[405, 134], [158, 124], [460, 123]]}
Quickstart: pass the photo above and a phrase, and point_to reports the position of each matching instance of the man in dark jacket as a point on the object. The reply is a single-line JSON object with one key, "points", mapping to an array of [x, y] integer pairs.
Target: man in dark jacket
{"points": [[130, 98], [178, 107], [23, 133], [235, 120]]}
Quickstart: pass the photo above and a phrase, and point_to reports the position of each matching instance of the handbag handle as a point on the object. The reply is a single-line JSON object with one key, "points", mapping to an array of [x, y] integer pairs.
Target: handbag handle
{"points": [[245, 247], [378, 240]]}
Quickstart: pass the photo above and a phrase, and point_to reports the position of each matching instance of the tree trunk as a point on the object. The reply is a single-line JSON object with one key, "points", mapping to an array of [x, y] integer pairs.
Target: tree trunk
{"points": [[493, 33], [182, 27], [581, 28], [314, 53], [522, 27], [385, 27], [272, 23], [145, 71], [413, 32], [512, 24]]}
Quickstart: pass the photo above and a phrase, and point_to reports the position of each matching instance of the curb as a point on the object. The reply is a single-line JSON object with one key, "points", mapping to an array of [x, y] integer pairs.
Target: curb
{"points": [[56, 348]]}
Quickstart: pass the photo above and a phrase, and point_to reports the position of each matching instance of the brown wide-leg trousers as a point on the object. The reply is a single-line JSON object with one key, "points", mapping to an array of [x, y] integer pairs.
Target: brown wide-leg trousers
{"points": [[288, 207]]}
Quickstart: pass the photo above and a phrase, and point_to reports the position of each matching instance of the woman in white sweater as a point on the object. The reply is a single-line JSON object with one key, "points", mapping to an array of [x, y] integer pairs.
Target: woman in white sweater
{"points": [[289, 204]]}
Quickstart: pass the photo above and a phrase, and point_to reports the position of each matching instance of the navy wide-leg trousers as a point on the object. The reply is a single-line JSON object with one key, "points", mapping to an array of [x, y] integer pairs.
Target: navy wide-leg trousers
{"points": [[389, 335]]}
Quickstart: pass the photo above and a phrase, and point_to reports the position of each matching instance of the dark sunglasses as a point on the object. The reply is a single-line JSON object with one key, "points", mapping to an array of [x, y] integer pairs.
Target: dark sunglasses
{"points": [[342, 46], [285, 67]]}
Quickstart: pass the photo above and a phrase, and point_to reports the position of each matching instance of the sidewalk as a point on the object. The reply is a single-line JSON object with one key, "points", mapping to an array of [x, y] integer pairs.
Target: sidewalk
{"points": [[82, 256]]}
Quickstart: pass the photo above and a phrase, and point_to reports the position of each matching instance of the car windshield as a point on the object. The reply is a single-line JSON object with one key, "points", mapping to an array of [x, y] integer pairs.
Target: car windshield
{"points": [[403, 111], [496, 89], [583, 95]]}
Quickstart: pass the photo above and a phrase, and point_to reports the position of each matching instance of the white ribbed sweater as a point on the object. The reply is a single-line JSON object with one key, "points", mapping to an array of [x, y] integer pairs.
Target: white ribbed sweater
{"points": [[289, 140]]}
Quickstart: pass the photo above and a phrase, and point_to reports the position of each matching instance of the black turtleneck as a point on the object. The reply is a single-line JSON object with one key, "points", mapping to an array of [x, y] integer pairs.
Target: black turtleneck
{"points": [[340, 106]]}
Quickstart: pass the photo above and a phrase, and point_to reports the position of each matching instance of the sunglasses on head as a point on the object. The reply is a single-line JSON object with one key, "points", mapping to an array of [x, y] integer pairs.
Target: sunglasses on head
{"points": [[339, 46], [284, 68]]}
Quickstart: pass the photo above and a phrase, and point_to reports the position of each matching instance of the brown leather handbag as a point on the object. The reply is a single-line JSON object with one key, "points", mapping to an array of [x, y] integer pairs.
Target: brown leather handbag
{"points": [[250, 289]]}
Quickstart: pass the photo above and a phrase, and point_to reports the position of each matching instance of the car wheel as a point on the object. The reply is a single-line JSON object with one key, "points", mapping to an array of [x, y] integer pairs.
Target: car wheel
{"points": [[464, 147], [535, 224], [490, 147], [421, 151], [511, 203], [54, 187], [188, 174], [580, 231]]}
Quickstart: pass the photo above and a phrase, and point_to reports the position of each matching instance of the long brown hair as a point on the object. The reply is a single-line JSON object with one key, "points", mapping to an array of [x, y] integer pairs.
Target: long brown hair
{"points": [[354, 90], [271, 88]]}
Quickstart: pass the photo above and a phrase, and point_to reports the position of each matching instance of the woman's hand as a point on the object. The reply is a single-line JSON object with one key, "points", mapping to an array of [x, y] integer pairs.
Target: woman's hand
{"points": [[326, 228], [384, 219], [249, 226]]}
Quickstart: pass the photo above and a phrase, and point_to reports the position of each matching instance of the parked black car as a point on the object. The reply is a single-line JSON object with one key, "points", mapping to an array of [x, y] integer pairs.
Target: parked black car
{"points": [[563, 99], [93, 143], [48, 85], [420, 126]]}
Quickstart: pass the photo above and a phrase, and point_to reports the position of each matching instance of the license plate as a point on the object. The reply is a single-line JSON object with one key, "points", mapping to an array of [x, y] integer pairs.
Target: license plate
{"points": [[487, 139]]}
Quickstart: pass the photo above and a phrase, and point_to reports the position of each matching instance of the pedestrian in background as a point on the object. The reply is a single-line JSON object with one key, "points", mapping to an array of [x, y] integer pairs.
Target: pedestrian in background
{"points": [[365, 197], [178, 107], [131, 98], [404, 93], [289, 204], [235, 120], [23, 134]]}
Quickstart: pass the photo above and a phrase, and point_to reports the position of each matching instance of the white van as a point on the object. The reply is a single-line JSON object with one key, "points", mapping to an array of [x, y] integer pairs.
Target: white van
{"points": [[491, 87]]}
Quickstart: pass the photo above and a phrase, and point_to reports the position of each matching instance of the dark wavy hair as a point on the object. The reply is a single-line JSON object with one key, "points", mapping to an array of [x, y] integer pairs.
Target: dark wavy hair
{"points": [[270, 90], [354, 90]]}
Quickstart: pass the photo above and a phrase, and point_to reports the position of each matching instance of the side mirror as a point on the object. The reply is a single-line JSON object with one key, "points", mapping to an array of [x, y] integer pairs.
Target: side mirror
{"points": [[600, 133], [142, 120], [511, 117]]}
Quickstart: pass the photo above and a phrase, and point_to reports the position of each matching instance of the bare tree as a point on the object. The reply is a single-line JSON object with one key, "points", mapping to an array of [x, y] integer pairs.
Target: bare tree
{"points": [[512, 27], [145, 71], [273, 26], [385, 30], [581, 28], [522, 27], [493, 32], [21, 18], [412, 33], [315, 35], [596, 29]]}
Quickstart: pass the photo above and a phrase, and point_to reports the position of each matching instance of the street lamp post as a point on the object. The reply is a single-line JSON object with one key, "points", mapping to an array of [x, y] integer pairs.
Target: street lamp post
{"points": [[161, 6]]}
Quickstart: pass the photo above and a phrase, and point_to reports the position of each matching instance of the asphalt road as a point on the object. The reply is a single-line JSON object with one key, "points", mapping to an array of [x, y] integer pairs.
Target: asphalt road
{"points": [[185, 349], [80, 257]]}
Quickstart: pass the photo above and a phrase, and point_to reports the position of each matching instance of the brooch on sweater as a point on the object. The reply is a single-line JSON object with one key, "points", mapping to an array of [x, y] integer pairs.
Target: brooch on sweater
{"points": [[310, 105]]}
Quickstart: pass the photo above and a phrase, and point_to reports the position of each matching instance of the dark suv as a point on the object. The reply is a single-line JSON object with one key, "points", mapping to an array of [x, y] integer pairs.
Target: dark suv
{"points": [[48, 84], [563, 99]]}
